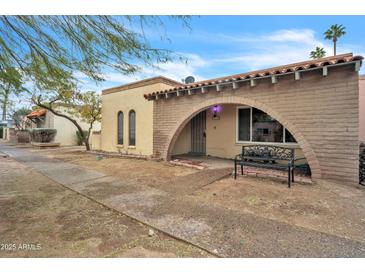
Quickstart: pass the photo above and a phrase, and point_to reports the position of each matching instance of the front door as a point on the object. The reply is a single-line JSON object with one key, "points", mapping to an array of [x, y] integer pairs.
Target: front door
{"points": [[198, 136]]}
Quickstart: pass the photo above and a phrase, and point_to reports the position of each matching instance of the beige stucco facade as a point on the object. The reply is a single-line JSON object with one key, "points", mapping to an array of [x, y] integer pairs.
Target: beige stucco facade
{"points": [[329, 138], [218, 142], [126, 98], [66, 130], [327, 130]]}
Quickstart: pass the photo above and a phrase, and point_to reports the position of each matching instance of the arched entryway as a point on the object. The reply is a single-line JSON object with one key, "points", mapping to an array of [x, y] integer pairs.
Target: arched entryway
{"points": [[210, 104]]}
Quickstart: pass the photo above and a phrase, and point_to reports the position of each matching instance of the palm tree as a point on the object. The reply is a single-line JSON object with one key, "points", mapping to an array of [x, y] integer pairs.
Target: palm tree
{"points": [[333, 33], [317, 53]]}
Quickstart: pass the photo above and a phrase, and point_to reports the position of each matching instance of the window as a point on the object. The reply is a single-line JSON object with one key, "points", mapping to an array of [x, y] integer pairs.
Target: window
{"points": [[132, 128], [254, 125], [265, 128], [244, 124], [120, 127]]}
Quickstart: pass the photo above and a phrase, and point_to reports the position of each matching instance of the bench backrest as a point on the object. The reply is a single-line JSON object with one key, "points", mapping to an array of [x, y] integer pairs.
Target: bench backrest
{"points": [[268, 151]]}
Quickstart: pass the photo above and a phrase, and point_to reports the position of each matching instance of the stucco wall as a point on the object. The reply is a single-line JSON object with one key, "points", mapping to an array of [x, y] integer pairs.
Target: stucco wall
{"points": [[183, 143], [96, 140], [66, 131], [362, 107], [126, 100], [322, 113], [220, 135]]}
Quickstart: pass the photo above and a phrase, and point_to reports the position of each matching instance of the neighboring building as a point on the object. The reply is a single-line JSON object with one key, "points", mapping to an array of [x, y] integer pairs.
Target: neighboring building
{"points": [[362, 107], [127, 117], [66, 131], [312, 106]]}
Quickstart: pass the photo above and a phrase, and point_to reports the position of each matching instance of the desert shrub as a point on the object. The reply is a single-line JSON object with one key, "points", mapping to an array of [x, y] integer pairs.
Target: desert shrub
{"points": [[43, 135], [79, 138]]}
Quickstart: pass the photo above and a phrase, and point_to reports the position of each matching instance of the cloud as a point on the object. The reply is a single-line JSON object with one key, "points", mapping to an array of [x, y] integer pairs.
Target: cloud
{"points": [[240, 53], [306, 36], [176, 70], [273, 49]]}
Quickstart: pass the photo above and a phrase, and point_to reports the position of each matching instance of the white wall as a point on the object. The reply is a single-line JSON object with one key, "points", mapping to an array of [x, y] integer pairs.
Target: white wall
{"points": [[66, 130]]}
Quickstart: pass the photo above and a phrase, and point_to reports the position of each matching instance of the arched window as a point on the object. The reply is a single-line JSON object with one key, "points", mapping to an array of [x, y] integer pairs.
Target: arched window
{"points": [[132, 128], [120, 127]]}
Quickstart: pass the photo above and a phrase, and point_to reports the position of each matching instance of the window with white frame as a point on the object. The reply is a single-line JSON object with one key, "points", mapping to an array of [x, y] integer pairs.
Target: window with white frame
{"points": [[254, 125]]}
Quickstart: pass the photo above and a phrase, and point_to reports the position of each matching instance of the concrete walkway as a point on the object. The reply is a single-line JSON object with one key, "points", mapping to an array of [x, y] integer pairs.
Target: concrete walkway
{"points": [[222, 231]]}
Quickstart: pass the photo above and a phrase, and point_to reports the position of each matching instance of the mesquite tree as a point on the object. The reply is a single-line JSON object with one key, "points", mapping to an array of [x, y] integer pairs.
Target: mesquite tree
{"points": [[82, 106], [51, 50]]}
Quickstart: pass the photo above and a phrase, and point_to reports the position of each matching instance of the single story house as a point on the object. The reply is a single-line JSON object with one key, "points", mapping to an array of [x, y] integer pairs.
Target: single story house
{"points": [[312, 106], [66, 131]]}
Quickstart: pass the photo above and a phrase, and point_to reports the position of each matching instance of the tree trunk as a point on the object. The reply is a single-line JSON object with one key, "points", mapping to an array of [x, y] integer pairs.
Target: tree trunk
{"points": [[5, 104], [334, 47], [83, 137], [4, 111]]}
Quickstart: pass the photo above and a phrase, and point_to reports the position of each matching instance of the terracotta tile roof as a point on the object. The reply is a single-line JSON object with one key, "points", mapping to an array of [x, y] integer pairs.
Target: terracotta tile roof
{"points": [[37, 113], [290, 68], [141, 83]]}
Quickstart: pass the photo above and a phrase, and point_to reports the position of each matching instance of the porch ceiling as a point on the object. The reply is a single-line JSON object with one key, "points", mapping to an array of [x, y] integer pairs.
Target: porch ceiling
{"points": [[295, 68]]}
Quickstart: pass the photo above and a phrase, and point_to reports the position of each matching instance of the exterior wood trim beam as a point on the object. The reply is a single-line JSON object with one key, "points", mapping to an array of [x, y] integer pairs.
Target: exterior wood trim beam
{"points": [[252, 82], [297, 75], [274, 79], [325, 71]]}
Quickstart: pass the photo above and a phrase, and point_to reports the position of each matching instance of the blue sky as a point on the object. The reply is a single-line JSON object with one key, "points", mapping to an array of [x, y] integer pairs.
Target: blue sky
{"points": [[222, 45]]}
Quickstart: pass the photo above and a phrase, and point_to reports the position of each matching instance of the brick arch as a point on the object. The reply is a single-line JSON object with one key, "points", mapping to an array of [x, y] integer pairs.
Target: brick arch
{"points": [[280, 117]]}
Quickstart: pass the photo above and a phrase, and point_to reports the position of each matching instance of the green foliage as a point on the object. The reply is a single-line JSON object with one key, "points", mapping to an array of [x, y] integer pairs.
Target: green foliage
{"points": [[88, 106], [51, 48], [51, 51], [333, 33], [80, 140], [317, 53]]}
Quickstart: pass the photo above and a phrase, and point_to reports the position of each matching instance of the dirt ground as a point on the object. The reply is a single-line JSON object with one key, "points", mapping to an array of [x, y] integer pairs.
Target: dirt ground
{"points": [[138, 171], [40, 218], [326, 206]]}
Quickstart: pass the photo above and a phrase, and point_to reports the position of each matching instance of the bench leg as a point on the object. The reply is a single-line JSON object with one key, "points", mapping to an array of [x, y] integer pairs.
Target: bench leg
{"points": [[289, 179], [241, 169], [292, 174], [235, 170]]}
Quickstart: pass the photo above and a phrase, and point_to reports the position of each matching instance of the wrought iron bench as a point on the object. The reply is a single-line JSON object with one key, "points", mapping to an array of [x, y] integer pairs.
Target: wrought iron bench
{"points": [[267, 156]]}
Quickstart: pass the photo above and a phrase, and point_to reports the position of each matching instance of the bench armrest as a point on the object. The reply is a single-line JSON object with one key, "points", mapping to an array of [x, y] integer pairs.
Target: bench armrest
{"points": [[238, 156]]}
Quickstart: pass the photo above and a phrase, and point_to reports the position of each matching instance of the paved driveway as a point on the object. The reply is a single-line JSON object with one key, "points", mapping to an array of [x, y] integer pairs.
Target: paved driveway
{"points": [[221, 230]]}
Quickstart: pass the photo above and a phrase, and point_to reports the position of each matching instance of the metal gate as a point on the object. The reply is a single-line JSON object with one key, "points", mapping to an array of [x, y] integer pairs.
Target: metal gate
{"points": [[198, 126]]}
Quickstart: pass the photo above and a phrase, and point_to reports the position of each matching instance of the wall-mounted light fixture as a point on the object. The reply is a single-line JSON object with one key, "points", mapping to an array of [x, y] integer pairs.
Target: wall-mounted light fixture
{"points": [[215, 111]]}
